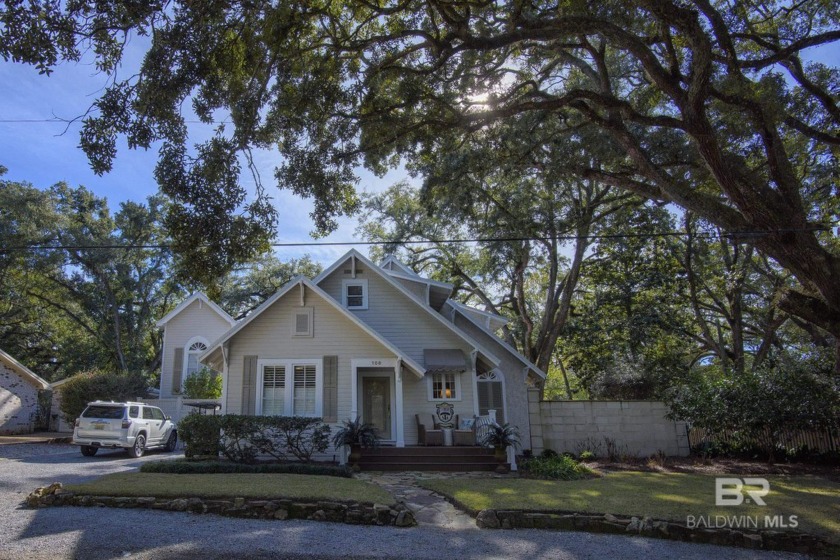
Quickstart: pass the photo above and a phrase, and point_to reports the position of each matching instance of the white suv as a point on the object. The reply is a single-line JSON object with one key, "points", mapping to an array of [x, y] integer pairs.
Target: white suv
{"points": [[133, 426]]}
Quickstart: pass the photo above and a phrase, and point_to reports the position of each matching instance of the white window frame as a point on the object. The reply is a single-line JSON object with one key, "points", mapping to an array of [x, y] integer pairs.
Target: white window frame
{"points": [[459, 394], [290, 364], [300, 311], [359, 282], [185, 367]]}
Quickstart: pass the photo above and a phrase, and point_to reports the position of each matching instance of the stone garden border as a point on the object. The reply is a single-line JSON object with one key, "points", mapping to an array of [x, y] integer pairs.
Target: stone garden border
{"points": [[352, 513], [791, 541]]}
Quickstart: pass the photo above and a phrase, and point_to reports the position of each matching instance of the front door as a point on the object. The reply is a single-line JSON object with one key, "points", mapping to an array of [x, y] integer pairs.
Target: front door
{"points": [[376, 404]]}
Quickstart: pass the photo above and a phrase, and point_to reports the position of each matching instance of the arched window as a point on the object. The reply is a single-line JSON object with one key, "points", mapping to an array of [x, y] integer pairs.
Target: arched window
{"points": [[195, 348]]}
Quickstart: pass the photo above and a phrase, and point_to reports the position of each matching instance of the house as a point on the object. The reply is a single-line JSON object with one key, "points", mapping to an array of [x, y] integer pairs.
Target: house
{"points": [[187, 332], [380, 342], [19, 392]]}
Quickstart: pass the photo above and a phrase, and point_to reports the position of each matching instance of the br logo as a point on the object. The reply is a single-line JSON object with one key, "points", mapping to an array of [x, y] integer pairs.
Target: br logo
{"points": [[445, 412], [730, 491]]}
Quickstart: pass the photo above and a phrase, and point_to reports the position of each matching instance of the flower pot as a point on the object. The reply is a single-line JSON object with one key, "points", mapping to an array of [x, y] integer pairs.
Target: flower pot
{"points": [[500, 454], [355, 455]]}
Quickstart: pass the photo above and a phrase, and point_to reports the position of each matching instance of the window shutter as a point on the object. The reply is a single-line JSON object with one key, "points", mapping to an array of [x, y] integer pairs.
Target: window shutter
{"points": [[330, 389], [498, 403], [249, 385], [178, 371]]}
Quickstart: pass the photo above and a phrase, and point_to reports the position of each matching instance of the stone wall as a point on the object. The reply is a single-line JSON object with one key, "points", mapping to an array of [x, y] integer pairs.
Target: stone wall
{"points": [[354, 513], [636, 428], [18, 402]]}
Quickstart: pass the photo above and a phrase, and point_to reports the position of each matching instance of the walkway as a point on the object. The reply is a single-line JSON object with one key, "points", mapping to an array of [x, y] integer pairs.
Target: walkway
{"points": [[428, 507]]}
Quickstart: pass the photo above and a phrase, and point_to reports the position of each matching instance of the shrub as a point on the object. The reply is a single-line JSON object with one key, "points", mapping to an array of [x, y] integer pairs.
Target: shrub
{"points": [[560, 467], [201, 434], [223, 467], [242, 439], [99, 385], [203, 384], [300, 436], [587, 456], [756, 407]]}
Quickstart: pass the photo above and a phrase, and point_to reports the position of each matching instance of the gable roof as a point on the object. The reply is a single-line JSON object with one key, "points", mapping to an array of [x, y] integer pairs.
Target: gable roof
{"points": [[186, 303], [25, 371], [301, 280], [489, 317], [511, 350], [431, 312]]}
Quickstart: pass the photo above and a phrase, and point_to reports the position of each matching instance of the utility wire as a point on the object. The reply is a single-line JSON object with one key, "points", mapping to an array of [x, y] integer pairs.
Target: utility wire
{"points": [[706, 235]]}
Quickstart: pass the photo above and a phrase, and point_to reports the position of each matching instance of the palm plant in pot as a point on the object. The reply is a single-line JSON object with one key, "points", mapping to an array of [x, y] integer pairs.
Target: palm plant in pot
{"points": [[355, 434], [500, 438]]}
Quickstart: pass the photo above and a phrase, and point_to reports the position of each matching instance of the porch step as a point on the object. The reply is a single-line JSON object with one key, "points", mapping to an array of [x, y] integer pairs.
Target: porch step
{"points": [[457, 459]]}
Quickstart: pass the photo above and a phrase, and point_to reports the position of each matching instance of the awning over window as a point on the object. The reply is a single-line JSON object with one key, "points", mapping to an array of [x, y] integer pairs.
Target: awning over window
{"points": [[437, 360]]}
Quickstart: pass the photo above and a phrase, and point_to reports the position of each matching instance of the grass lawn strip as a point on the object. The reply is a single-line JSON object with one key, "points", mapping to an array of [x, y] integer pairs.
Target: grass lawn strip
{"points": [[267, 486], [672, 497]]}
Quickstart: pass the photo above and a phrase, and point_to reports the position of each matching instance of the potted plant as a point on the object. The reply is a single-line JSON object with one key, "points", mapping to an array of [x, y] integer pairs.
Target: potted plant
{"points": [[355, 434], [500, 438]]}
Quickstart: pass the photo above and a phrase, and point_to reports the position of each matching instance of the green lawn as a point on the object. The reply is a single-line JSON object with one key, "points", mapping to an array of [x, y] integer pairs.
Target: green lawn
{"points": [[662, 496], [294, 486]]}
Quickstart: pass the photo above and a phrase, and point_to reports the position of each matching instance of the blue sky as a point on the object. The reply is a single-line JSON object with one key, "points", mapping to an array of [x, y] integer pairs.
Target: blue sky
{"points": [[43, 154]]}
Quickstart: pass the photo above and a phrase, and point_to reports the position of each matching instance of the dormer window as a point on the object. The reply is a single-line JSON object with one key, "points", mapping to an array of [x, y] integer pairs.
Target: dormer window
{"points": [[355, 294]]}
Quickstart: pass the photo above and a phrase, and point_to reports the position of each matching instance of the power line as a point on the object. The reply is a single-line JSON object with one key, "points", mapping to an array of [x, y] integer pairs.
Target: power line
{"points": [[71, 121], [705, 235]]}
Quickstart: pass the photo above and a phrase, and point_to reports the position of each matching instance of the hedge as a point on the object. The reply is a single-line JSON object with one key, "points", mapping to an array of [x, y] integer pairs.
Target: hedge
{"points": [[242, 439], [224, 467]]}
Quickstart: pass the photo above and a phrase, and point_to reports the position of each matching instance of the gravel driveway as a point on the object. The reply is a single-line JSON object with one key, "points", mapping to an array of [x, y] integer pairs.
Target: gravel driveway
{"points": [[54, 533]]}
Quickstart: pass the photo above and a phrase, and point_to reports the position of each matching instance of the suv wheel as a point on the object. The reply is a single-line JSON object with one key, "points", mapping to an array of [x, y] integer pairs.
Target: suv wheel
{"points": [[89, 450], [171, 442], [139, 446]]}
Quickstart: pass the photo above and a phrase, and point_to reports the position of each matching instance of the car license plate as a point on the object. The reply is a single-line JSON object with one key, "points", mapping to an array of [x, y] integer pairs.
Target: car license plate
{"points": [[99, 426]]}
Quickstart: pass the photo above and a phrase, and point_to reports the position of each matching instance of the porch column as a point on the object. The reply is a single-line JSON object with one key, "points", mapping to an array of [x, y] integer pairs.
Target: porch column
{"points": [[354, 390], [474, 373], [398, 385]]}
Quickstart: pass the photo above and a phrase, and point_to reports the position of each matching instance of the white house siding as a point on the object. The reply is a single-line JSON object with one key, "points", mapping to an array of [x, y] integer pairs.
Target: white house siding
{"points": [[418, 289], [516, 389], [270, 336], [196, 320], [407, 326], [18, 401]]}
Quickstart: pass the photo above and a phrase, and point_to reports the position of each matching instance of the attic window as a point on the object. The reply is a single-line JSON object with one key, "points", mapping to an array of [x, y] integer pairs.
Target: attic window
{"points": [[354, 294], [302, 322]]}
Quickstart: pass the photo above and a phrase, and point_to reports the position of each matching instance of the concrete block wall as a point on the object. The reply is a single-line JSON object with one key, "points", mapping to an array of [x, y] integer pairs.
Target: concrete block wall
{"points": [[637, 428]]}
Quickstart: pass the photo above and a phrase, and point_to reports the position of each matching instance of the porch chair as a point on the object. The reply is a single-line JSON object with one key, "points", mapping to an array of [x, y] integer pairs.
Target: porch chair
{"points": [[463, 436], [430, 434]]}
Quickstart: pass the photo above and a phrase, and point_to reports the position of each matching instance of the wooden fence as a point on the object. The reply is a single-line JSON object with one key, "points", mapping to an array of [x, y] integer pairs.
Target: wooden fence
{"points": [[817, 441]]}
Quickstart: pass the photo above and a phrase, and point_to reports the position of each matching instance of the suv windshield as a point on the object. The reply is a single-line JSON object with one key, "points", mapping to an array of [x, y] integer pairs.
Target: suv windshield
{"points": [[111, 412]]}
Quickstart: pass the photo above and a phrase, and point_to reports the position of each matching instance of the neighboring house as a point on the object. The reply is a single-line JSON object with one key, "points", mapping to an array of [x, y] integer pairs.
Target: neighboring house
{"points": [[57, 420], [19, 390], [188, 331], [380, 342]]}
